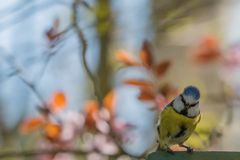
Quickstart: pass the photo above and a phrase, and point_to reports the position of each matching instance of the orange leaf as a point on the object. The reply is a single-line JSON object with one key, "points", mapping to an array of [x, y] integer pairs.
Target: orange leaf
{"points": [[52, 131], [140, 83], [125, 58], [31, 124], [146, 94], [161, 68], [91, 111], [208, 50], [58, 101], [209, 42], [146, 54], [202, 56], [169, 91], [109, 101], [52, 33]]}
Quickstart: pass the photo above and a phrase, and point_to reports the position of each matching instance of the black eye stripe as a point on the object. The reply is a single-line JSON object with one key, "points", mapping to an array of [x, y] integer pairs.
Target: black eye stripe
{"points": [[186, 104], [183, 100], [192, 105]]}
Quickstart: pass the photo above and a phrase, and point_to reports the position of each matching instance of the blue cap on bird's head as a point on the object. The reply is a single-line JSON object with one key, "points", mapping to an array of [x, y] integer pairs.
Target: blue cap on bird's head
{"points": [[192, 91]]}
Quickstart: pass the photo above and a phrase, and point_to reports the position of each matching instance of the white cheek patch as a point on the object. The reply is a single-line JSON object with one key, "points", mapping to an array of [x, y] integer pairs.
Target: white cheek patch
{"points": [[193, 111], [178, 104], [189, 99]]}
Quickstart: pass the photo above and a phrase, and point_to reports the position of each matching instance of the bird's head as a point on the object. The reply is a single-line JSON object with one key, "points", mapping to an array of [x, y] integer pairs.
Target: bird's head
{"points": [[191, 94], [187, 103]]}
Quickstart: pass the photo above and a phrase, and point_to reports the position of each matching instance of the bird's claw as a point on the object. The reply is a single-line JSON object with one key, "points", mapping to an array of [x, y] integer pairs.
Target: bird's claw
{"points": [[170, 151], [166, 149], [189, 149]]}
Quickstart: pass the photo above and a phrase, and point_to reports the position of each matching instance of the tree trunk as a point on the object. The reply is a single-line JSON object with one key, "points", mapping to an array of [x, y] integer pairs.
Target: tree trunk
{"points": [[104, 30]]}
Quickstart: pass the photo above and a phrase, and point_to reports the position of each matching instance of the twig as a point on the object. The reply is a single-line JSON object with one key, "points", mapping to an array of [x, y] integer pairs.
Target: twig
{"points": [[15, 8], [26, 13], [82, 40], [50, 54], [31, 86]]}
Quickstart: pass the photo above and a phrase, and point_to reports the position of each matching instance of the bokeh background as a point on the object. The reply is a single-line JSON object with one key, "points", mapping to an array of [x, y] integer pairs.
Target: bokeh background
{"points": [[199, 38]]}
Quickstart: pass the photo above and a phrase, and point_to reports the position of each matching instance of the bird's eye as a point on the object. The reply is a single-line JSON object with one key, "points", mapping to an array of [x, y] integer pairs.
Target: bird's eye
{"points": [[192, 105]]}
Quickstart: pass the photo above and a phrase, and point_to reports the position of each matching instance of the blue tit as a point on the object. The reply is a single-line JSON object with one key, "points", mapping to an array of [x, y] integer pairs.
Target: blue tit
{"points": [[179, 119]]}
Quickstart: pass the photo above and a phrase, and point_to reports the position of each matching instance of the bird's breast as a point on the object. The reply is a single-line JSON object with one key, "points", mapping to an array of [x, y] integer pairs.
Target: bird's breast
{"points": [[174, 127]]}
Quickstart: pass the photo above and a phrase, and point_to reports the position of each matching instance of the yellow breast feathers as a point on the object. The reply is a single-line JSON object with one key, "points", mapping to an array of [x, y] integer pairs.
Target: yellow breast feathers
{"points": [[175, 128]]}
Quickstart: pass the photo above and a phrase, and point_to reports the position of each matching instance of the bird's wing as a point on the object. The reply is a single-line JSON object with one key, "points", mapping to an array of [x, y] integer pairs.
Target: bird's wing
{"points": [[159, 117], [199, 119], [166, 124]]}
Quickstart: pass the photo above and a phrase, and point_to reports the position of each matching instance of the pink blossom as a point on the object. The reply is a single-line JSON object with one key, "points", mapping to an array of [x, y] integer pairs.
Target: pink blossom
{"points": [[72, 123], [160, 102], [119, 126], [102, 126], [95, 156], [105, 144], [63, 156], [88, 142], [104, 114]]}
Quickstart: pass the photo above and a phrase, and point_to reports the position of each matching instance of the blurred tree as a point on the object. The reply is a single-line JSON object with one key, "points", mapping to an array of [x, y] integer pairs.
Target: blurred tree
{"points": [[168, 15], [104, 25]]}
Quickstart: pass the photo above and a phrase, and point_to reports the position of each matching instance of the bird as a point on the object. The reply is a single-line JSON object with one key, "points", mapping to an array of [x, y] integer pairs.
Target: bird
{"points": [[179, 119]]}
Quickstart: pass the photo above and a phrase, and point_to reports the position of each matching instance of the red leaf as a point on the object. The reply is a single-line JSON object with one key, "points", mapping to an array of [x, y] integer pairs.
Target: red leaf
{"points": [[140, 83], [169, 91], [208, 50], [161, 68], [203, 55], [146, 54], [52, 33], [146, 94], [31, 124], [209, 42], [109, 101], [91, 111], [125, 58]]}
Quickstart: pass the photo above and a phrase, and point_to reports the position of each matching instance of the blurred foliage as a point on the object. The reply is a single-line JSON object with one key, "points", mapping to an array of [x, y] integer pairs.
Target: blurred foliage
{"points": [[168, 16], [206, 130], [98, 132]]}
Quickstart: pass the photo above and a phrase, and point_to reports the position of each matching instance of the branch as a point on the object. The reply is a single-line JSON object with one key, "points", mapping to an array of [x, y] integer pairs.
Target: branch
{"points": [[82, 41], [177, 14], [54, 50], [15, 8], [27, 12], [17, 72], [211, 155], [32, 87]]}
